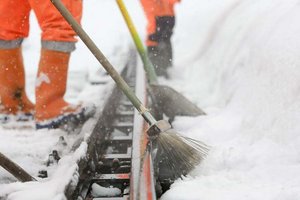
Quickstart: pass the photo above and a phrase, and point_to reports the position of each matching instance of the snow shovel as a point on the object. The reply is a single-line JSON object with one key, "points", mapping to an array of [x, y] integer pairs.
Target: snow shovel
{"points": [[168, 100], [183, 153], [15, 169]]}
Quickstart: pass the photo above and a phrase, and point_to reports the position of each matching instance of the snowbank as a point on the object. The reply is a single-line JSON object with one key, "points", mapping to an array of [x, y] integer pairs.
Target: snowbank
{"points": [[246, 76]]}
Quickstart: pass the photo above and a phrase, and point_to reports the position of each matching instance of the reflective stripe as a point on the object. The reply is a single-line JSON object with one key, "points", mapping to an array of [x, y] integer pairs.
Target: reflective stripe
{"points": [[59, 46], [10, 44]]}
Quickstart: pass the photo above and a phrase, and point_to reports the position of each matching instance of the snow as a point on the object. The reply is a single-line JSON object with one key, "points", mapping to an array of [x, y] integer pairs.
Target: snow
{"points": [[245, 76], [41, 79], [99, 191], [237, 60]]}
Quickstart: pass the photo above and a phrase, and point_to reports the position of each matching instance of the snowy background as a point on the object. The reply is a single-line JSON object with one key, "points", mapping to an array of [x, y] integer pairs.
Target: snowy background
{"points": [[238, 60]]}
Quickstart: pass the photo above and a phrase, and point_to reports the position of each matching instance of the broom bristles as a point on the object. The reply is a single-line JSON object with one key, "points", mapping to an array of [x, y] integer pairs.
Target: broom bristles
{"points": [[182, 154]]}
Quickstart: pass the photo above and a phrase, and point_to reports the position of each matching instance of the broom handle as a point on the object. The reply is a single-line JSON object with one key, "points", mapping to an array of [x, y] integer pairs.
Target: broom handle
{"points": [[148, 66], [15, 169], [104, 62]]}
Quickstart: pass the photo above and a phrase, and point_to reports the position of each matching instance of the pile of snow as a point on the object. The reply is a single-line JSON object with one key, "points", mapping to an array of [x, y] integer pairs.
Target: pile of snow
{"points": [[243, 69], [100, 191]]}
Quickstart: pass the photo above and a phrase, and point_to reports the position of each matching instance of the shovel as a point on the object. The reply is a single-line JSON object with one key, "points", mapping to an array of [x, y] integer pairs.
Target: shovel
{"points": [[183, 153], [165, 98]]}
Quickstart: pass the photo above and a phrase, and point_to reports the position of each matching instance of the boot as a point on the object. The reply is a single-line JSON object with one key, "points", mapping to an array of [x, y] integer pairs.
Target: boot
{"points": [[166, 53], [161, 58], [52, 111], [14, 102], [155, 58]]}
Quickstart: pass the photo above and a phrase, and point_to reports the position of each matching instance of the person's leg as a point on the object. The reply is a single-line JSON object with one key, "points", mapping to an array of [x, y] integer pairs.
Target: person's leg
{"points": [[58, 41], [14, 18], [14, 26], [51, 84], [150, 8], [166, 25], [161, 55], [161, 20], [54, 27], [12, 84]]}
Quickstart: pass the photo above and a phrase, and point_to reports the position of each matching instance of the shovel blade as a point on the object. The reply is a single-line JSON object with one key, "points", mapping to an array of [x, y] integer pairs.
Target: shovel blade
{"points": [[172, 103]]}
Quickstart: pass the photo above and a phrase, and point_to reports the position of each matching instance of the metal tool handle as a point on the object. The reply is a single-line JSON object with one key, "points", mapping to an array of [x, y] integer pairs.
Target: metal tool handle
{"points": [[15, 169], [104, 62]]}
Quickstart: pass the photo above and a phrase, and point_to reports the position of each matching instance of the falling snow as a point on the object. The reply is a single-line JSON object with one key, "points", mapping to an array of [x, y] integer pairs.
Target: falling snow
{"points": [[237, 60]]}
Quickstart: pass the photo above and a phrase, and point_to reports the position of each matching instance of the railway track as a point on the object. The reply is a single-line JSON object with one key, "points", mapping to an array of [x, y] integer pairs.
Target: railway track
{"points": [[118, 164]]}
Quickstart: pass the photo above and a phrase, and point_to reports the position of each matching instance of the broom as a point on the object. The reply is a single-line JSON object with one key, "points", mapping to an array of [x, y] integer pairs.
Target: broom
{"points": [[181, 151], [15, 169], [168, 100]]}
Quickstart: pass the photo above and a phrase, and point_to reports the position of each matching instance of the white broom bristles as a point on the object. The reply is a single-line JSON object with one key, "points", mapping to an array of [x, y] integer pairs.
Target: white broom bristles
{"points": [[182, 154]]}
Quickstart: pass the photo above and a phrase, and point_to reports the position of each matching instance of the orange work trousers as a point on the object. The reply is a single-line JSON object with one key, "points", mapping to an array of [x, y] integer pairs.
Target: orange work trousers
{"points": [[14, 19], [153, 9]]}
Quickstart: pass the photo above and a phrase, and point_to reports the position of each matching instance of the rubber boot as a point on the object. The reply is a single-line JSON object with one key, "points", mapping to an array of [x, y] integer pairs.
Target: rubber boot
{"points": [[13, 99], [52, 111], [165, 53], [161, 58], [156, 59]]}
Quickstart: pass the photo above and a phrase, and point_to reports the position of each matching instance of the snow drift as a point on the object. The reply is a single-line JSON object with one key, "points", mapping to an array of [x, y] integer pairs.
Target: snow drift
{"points": [[245, 73]]}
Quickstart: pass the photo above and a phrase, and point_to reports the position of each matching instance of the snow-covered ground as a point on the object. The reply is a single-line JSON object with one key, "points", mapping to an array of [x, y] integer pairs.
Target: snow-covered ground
{"points": [[236, 59]]}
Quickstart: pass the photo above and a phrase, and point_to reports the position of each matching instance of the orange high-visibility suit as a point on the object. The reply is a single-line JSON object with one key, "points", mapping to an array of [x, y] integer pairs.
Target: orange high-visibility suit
{"points": [[57, 41], [160, 23], [14, 19], [155, 9]]}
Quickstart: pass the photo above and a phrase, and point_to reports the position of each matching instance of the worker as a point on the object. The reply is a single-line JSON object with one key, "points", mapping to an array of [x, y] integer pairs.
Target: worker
{"points": [[57, 42], [161, 20]]}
